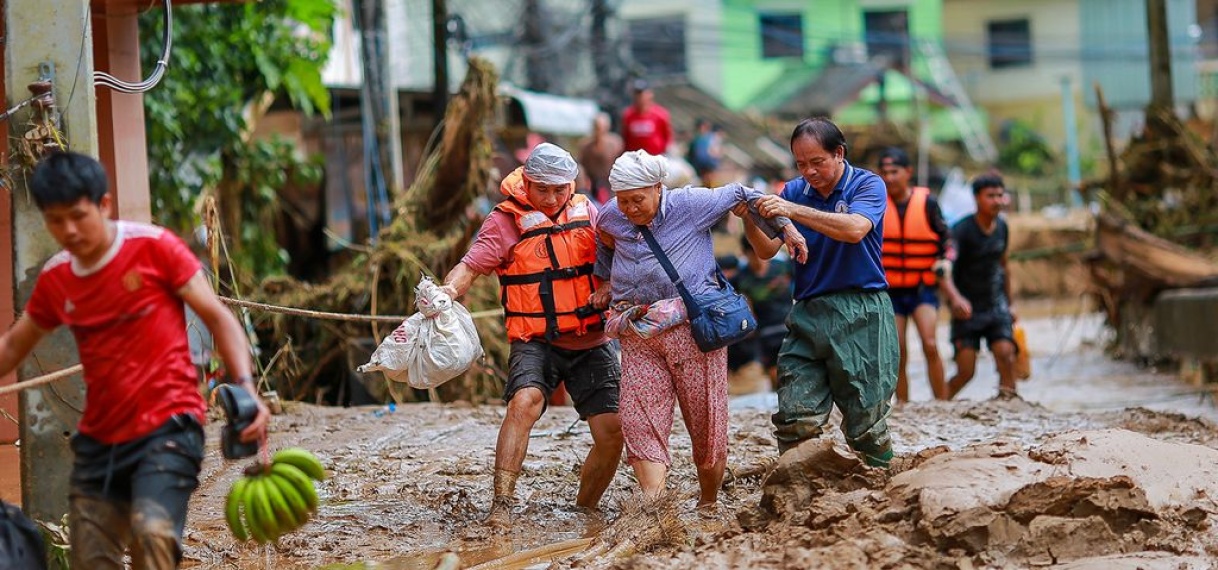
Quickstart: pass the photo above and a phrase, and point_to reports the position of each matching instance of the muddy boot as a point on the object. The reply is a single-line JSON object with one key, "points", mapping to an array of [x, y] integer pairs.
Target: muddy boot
{"points": [[505, 493]]}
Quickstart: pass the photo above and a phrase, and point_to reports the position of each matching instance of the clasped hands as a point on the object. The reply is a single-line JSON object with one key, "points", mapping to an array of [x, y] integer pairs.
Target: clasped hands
{"points": [[772, 207]]}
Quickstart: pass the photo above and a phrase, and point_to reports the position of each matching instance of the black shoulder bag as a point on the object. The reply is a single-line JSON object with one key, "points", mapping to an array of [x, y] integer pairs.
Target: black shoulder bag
{"points": [[718, 317]]}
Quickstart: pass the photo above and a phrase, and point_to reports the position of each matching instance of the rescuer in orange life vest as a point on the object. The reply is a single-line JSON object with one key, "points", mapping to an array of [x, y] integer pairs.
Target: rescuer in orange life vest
{"points": [[915, 253], [541, 241]]}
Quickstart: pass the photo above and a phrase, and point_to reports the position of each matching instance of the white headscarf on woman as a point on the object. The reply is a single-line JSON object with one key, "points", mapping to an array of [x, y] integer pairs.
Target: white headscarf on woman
{"points": [[637, 169]]}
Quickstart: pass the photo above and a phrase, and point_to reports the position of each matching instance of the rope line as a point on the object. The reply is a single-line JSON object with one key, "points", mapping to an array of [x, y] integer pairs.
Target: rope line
{"points": [[338, 316], [45, 379], [48, 378]]}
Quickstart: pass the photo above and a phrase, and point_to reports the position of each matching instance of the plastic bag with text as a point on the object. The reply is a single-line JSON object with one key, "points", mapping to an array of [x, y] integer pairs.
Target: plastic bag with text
{"points": [[430, 347]]}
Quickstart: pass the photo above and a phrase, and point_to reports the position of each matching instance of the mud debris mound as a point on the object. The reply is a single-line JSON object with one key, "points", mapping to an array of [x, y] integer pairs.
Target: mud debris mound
{"points": [[1085, 499]]}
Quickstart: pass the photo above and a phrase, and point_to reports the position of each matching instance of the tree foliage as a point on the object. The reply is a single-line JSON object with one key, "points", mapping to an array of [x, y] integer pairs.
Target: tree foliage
{"points": [[229, 62]]}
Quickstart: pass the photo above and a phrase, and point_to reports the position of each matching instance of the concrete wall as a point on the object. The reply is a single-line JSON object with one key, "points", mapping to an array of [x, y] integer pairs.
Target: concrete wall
{"points": [[1032, 94], [709, 31], [408, 26], [1114, 42], [1054, 26]]}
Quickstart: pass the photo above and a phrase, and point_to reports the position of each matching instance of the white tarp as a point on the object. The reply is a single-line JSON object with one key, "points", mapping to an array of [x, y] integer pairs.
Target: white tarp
{"points": [[552, 114]]}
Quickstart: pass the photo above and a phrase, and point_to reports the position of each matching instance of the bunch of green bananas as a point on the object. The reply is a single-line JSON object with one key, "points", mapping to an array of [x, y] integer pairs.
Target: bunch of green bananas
{"points": [[275, 499]]}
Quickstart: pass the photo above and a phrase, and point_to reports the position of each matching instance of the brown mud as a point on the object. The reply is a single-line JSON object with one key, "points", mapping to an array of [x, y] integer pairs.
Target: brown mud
{"points": [[977, 484]]}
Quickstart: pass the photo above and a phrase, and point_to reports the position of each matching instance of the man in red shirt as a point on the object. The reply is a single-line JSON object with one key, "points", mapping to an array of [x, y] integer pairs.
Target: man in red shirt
{"points": [[120, 287], [645, 124]]}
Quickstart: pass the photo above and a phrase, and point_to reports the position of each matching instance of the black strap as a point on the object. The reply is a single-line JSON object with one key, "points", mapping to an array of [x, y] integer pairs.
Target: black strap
{"points": [[691, 306], [555, 274], [556, 228]]}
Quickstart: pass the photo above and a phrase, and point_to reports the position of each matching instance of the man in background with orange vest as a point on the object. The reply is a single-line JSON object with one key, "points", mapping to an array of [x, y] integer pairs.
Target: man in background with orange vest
{"points": [[915, 248], [541, 241]]}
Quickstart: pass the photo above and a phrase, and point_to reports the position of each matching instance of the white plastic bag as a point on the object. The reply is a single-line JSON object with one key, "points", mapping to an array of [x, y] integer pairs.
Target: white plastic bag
{"points": [[956, 199], [430, 347]]}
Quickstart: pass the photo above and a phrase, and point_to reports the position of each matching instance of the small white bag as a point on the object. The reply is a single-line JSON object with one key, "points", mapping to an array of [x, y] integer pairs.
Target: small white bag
{"points": [[430, 347]]}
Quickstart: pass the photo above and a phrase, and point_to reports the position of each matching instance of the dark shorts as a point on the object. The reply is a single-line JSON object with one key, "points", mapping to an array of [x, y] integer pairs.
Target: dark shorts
{"points": [[992, 325], [906, 301], [591, 376], [147, 479]]}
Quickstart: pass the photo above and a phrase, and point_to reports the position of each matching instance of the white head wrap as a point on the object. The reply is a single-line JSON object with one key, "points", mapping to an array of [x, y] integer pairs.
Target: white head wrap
{"points": [[637, 169], [549, 164]]}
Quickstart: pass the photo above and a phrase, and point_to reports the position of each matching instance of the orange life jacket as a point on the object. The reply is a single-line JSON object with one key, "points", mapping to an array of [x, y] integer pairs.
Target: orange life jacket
{"points": [[911, 246], [545, 288]]}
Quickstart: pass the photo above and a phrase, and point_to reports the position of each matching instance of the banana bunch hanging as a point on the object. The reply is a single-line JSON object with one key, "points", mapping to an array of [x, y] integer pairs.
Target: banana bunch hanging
{"points": [[273, 500]]}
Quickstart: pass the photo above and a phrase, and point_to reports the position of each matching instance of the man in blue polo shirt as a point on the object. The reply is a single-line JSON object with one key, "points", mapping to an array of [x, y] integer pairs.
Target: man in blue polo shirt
{"points": [[841, 347]]}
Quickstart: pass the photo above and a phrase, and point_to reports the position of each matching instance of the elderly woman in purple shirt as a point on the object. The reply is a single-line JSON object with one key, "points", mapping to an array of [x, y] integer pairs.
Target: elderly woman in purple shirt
{"points": [[661, 364]]}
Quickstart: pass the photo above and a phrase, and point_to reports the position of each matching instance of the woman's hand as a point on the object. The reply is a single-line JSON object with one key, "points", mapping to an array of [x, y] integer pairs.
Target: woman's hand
{"points": [[796, 244], [600, 298], [741, 210]]}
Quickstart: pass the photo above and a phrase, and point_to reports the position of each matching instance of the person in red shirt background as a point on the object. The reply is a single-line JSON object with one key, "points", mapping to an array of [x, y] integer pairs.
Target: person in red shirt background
{"points": [[645, 124], [120, 287]]}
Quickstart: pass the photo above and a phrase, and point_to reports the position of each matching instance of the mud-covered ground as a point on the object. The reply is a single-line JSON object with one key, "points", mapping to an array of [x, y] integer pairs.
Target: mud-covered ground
{"points": [[1083, 474]]}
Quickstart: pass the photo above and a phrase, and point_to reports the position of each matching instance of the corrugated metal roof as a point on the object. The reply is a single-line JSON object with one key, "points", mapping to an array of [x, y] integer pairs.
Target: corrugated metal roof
{"points": [[686, 104], [837, 85]]}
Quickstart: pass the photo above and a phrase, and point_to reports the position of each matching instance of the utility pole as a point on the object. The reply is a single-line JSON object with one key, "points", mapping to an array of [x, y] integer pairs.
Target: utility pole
{"points": [[1161, 96], [439, 34], [379, 116], [58, 51], [538, 63], [605, 73]]}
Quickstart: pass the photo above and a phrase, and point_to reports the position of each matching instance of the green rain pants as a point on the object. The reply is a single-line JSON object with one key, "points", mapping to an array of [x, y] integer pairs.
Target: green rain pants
{"points": [[840, 349]]}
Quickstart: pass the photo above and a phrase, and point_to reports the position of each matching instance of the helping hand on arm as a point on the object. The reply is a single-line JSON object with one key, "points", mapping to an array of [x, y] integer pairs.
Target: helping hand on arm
{"points": [[845, 227]]}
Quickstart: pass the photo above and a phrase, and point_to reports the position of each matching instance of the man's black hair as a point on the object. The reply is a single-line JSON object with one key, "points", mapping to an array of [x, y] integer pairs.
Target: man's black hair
{"points": [[823, 131], [895, 155], [987, 181], [63, 178]]}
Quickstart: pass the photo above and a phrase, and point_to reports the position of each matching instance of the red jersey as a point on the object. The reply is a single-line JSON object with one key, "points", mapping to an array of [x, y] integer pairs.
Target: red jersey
{"points": [[130, 329], [648, 130]]}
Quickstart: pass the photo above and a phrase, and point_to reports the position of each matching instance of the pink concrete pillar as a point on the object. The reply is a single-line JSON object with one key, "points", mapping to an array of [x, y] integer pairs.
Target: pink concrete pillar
{"points": [[120, 116]]}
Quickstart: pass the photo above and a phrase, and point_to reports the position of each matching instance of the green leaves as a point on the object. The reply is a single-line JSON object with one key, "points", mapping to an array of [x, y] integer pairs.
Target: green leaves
{"points": [[229, 61]]}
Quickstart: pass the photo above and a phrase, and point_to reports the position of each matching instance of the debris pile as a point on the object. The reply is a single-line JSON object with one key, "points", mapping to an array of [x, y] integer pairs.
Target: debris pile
{"points": [[1160, 198], [432, 227]]}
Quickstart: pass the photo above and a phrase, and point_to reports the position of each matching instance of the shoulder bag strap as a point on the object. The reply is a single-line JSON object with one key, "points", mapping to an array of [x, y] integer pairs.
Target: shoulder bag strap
{"points": [[691, 306]]}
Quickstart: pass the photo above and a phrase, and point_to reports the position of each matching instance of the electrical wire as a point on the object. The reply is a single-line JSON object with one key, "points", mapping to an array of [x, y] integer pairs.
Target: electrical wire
{"points": [[103, 79]]}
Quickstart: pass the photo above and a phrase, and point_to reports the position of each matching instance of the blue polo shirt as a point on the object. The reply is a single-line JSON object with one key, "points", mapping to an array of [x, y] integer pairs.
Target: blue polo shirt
{"points": [[833, 265]]}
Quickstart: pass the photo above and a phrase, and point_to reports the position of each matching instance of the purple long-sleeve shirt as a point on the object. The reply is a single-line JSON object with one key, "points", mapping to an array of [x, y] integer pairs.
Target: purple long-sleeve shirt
{"points": [[682, 227]]}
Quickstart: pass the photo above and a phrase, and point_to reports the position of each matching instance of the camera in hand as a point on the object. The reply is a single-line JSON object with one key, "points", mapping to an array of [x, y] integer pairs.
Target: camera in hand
{"points": [[241, 409]]}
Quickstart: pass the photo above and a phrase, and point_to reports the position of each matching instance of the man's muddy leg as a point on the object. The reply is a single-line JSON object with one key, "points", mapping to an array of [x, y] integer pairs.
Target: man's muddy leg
{"points": [[523, 411], [1004, 359], [160, 492], [602, 461], [966, 362], [155, 541], [99, 531]]}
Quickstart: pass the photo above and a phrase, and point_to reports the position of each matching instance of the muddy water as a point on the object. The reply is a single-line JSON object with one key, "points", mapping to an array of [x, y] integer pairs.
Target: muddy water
{"points": [[408, 486]]}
